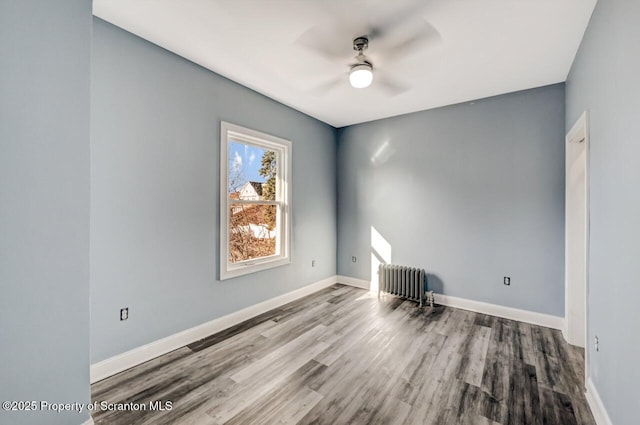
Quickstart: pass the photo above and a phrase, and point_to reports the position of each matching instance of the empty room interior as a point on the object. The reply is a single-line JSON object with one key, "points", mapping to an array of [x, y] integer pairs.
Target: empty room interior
{"points": [[319, 212]]}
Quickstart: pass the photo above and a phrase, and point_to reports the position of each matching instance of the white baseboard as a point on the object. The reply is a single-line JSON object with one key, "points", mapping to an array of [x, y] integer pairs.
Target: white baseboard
{"points": [[546, 320], [352, 281], [549, 321], [595, 403], [128, 359]]}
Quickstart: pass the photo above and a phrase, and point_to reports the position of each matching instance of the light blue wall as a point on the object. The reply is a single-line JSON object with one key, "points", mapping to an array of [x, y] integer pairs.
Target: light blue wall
{"points": [[155, 155], [44, 206], [471, 192], [604, 80]]}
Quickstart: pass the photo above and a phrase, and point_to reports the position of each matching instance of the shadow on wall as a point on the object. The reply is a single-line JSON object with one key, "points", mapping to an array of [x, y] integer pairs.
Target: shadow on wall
{"points": [[434, 283]]}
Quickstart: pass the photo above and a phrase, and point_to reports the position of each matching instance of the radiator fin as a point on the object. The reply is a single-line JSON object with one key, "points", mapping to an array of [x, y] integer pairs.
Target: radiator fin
{"points": [[403, 281]]}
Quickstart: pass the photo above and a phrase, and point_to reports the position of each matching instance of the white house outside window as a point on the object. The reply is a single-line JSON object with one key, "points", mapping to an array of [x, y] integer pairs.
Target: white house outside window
{"points": [[255, 192]]}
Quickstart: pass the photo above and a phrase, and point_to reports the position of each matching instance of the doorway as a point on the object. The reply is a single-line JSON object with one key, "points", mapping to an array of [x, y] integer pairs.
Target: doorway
{"points": [[577, 233]]}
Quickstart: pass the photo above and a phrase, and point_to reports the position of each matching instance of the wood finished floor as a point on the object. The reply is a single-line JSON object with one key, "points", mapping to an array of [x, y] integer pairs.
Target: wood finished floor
{"points": [[340, 356]]}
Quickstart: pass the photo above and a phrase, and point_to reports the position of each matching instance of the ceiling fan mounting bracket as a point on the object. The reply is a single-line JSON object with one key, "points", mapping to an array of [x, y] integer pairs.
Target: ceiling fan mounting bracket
{"points": [[360, 43]]}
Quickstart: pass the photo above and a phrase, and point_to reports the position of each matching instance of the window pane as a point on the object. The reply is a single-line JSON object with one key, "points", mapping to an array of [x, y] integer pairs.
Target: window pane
{"points": [[252, 172], [252, 232]]}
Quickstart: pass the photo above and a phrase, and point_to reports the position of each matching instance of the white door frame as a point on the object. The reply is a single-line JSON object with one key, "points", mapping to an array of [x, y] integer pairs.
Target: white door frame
{"points": [[579, 133]]}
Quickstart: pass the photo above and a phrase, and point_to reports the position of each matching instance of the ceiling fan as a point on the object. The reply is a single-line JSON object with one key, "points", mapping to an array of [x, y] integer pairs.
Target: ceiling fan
{"points": [[394, 36], [361, 73]]}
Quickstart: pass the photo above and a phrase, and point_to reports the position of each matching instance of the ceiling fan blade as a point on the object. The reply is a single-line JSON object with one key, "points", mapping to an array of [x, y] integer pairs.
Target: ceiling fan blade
{"points": [[326, 87], [392, 21], [423, 35], [333, 42], [391, 86]]}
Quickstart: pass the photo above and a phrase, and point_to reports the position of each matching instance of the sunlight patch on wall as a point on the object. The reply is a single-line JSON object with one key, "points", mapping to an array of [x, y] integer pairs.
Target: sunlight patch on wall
{"points": [[380, 254]]}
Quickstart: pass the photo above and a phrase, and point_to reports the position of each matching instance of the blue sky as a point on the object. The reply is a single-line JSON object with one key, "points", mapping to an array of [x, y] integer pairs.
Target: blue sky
{"points": [[247, 158]]}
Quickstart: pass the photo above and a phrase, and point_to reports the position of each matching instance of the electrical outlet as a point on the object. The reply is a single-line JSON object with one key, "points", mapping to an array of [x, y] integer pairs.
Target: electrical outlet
{"points": [[353, 259], [313, 263], [124, 313], [507, 280], [597, 343]]}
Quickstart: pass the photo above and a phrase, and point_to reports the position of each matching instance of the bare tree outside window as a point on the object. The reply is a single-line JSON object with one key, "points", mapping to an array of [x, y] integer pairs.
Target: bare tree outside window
{"points": [[252, 225]]}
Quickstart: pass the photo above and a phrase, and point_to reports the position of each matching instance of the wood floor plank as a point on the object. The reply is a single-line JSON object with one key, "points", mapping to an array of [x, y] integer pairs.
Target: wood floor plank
{"points": [[475, 355], [286, 359], [298, 407], [526, 342], [250, 325], [344, 339], [442, 383], [277, 315], [265, 375], [565, 407], [287, 403], [305, 321], [343, 390], [477, 420], [341, 356]]}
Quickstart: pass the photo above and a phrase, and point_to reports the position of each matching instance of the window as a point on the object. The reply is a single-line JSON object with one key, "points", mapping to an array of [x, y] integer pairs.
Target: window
{"points": [[255, 192]]}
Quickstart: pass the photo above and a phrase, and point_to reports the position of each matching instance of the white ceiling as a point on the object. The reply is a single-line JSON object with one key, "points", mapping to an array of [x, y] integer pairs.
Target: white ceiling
{"points": [[487, 47]]}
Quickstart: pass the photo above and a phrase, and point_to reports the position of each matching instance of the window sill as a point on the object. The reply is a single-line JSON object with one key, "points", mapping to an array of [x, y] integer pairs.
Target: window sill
{"points": [[243, 269]]}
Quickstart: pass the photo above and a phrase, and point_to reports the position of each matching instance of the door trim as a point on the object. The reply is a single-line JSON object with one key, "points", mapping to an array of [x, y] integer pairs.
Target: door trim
{"points": [[579, 133]]}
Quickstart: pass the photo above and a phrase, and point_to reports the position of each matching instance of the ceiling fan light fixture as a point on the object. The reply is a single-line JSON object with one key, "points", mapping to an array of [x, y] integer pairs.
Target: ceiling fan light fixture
{"points": [[361, 75]]}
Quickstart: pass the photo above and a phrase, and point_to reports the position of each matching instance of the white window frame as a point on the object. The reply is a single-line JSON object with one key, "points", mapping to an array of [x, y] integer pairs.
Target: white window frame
{"points": [[283, 216]]}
